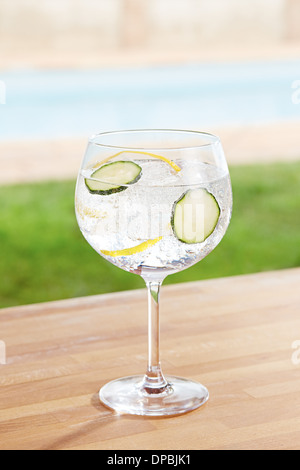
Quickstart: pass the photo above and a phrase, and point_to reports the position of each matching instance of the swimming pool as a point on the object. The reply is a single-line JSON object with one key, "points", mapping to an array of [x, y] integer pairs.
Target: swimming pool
{"points": [[77, 103]]}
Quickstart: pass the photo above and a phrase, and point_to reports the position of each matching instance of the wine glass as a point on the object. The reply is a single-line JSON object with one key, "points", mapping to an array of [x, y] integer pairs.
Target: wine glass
{"points": [[153, 202]]}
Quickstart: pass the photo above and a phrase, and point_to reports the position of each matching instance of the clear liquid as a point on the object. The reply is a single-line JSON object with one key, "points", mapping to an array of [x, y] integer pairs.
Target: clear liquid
{"points": [[143, 212]]}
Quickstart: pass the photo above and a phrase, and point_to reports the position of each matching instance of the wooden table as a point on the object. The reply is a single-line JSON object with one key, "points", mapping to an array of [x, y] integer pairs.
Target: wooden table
{"points": [[239, 336]]}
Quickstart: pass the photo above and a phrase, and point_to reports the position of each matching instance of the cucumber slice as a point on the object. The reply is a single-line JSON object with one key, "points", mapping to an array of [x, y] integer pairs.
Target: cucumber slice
{"points": [[195, 216], [110, 178]]}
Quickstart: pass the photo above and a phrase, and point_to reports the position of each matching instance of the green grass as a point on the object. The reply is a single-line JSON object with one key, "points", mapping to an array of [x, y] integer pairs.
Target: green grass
{"points": [[44, 256]]}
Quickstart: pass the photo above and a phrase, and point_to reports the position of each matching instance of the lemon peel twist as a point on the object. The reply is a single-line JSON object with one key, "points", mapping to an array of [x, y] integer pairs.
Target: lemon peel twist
{"points": [[160, 157], [132, 251]]}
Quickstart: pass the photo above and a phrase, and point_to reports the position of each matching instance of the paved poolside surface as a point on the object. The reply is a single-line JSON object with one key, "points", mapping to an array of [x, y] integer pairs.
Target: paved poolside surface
{"points": [[16, 59], [30, 161]]}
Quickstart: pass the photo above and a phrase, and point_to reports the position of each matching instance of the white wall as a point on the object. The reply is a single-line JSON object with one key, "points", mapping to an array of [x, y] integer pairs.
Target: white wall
{"points": [[216, 21], [104, 24], [69, 21]]}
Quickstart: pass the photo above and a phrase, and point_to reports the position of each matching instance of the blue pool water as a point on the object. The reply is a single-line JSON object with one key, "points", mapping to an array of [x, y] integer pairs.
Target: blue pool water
{"points": [[78, 103]]}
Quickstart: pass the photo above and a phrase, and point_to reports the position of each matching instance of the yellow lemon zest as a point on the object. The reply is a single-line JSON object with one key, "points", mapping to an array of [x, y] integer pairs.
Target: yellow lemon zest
{"points": [[160, 157], [87, 211], [132, 251]]}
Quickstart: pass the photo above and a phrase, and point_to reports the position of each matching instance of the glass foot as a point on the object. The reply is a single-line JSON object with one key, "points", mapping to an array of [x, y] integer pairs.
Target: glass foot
{"points": [[127, 395]]}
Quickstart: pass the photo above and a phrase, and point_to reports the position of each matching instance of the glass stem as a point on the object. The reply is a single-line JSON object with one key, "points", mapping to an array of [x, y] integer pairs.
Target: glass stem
{"points": [[154, 381]]}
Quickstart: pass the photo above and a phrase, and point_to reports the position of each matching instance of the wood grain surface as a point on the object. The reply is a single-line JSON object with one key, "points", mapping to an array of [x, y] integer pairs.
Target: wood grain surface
{"points": [[239, 336]]}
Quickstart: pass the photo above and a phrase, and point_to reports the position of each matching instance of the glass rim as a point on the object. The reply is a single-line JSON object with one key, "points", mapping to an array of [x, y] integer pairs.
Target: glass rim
{"points": [[214, 139]]}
